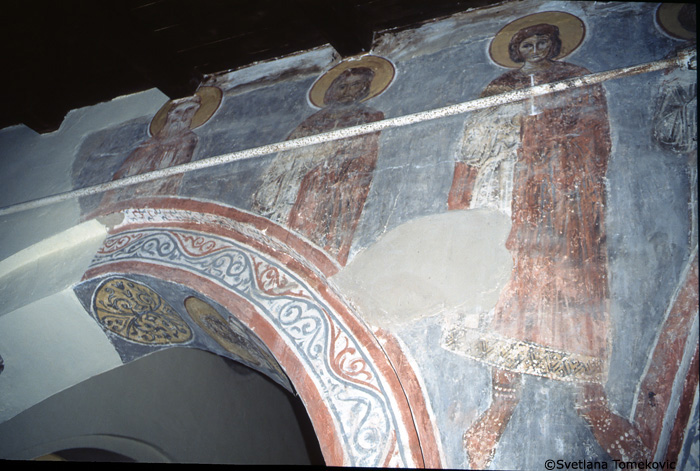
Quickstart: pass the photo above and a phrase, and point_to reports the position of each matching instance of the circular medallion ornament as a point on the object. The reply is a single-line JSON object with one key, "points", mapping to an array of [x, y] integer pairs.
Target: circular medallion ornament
{"points": [[137, 313], [571, 32], [227, 334], [383, 75], [210, 99], [678, 20]]}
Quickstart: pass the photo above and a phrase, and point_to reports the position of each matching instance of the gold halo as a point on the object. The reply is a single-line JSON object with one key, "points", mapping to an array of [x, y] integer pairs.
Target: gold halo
{"points": [[571, 32], [210, 101], [667, 18], [209, 319], [383, 75]]}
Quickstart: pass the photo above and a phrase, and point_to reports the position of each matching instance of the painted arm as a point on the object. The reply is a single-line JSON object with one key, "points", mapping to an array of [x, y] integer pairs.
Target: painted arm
{"points": [[490, 137]]}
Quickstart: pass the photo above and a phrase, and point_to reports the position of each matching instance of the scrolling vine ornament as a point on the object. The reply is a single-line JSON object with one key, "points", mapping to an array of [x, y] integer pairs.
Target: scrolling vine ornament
{"points": [[355, 392]]}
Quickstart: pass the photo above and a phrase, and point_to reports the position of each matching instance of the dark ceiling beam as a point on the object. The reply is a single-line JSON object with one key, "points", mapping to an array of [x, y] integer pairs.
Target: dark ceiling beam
{"points": [[338, 21], [39, 86], [67, 54], [136, 46], [76, 53], [40, 115]]}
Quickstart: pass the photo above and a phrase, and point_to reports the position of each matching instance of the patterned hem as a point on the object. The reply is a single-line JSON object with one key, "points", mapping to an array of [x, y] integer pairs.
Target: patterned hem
{"points": [[524, 357]]}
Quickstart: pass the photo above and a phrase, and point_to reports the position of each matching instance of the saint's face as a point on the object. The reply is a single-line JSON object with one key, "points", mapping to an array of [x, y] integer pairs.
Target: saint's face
{"points": [[179, 117], [535, 48], [348, 88]]}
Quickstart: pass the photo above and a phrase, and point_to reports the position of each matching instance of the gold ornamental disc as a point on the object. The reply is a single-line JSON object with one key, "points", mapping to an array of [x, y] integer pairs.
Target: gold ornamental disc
{"points": [[230, 336], [135, 312]]}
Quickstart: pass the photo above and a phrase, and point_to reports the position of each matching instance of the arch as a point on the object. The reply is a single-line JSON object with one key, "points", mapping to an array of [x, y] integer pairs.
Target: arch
{"points": [[131, 448], [184, 404], [89, 454], [360, 392]]}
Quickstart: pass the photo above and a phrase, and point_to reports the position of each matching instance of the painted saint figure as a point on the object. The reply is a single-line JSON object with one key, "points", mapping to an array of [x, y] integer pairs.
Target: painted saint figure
{"points": [[676, 115], [172, 143], [545, 165], [320, 191]]}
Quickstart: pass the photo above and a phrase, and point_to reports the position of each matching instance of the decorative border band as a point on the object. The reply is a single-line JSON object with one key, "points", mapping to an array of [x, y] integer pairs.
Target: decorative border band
{"points": [[524, 357], [359, 399]]}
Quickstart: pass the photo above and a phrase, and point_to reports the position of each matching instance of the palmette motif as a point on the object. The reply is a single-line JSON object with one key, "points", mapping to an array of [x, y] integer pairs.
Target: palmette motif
{"points": [[137, 313]]}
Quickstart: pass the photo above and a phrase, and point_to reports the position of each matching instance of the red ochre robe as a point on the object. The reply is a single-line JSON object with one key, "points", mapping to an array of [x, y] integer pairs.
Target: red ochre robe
{"points": [[333, 180], [158, 152], [551, 319]]}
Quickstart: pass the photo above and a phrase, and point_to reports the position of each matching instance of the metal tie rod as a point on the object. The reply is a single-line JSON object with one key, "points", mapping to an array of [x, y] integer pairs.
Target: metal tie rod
{"points": [[685, 59]]}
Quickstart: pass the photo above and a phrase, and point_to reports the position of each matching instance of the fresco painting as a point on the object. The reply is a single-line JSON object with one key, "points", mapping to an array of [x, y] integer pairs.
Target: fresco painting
{"points": [[557, 165], [233, 336], [678, 20], [320, 191], [136, 313], [552, 318], [352, 390], [675, 126], [141, 315], [172, 142]]}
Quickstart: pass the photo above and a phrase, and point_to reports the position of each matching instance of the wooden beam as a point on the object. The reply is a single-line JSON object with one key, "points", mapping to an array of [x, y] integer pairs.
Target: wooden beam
{"points": [[340, 24], [158, 63]]}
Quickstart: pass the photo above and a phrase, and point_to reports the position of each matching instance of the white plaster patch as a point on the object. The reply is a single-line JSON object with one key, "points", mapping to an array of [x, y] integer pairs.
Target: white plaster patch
{"points": [[455, 262]]}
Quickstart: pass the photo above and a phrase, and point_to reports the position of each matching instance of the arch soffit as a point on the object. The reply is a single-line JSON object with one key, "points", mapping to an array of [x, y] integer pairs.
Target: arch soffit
{"points": [[361, 394]]}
